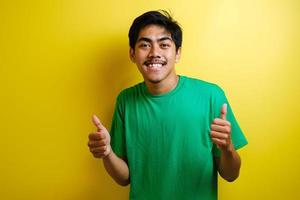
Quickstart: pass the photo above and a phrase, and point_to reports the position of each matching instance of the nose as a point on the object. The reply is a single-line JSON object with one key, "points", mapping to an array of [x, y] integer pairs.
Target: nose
{"points": [[154, 51]]}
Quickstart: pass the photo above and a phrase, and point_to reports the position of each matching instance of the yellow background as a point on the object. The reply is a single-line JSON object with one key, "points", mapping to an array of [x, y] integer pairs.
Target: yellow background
{"points": [[62, 61]]}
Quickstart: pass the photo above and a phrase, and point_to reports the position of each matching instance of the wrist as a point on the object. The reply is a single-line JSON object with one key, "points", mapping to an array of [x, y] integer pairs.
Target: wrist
{"points": [[229, 150], [108, 153]]}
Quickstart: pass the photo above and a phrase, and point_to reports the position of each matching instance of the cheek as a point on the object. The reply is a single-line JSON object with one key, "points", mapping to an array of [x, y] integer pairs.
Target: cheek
{"points": [[140, 57], [171, 58], [171, 54], [140, 61]]}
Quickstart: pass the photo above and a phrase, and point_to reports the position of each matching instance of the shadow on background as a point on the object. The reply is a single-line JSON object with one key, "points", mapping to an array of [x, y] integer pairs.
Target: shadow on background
{"points": [[113, 72]]}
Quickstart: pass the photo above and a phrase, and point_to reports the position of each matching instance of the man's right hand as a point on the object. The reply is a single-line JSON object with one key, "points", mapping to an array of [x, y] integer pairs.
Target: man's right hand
{"points": [[99, 142]]}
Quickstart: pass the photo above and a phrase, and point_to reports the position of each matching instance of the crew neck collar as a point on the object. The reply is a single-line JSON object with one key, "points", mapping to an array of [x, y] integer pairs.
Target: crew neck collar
{"points": [[169, 93]]}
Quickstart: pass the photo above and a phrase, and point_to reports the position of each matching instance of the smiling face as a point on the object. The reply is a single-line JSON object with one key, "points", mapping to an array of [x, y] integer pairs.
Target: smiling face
{"points": [[155, 55]]}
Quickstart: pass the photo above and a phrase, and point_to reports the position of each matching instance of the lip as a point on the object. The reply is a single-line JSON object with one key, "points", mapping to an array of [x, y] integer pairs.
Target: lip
{"points": [[155, 62], [155, 65], [154, 68]]}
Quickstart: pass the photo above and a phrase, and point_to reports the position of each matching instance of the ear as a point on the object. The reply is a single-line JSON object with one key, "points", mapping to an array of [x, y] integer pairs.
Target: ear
{"points": [[131, 55], [178, 55]]}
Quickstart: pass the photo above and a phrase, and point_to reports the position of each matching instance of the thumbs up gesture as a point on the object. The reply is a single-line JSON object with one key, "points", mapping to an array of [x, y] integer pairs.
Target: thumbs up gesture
{"points": [[221, 131], [99, 142]]}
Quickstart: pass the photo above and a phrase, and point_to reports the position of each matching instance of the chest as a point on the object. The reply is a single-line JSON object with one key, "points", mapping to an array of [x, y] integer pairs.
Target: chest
{"points": [[177, 119]]}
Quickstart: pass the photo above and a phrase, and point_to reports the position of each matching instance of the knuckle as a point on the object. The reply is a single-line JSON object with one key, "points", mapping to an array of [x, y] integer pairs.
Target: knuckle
{"points": [[213, 133], [96, 155], [102, 142], [227, 129], [213, 128]]}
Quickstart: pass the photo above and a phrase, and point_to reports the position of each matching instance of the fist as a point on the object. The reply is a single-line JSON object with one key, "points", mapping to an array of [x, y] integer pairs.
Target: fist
{"points": [[221, 131], [99, 142]]}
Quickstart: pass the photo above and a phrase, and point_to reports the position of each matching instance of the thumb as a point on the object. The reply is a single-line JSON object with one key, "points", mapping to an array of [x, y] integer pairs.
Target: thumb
{"points": [[224, 111], [97, 123]]}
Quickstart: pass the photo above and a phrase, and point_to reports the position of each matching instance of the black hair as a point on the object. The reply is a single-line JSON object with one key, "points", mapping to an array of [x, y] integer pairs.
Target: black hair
{"points": [[161, 18]]}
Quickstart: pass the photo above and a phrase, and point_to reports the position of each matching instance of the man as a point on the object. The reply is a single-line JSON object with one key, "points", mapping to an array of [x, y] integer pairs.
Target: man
{"points": [[170, 134]]}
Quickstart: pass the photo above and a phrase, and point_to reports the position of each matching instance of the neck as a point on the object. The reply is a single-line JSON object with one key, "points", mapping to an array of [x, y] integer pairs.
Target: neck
{"points": [[163, 86]]}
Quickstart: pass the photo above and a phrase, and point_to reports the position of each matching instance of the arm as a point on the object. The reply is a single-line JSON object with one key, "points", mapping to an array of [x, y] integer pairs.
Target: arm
{"points": [[99, 144], [229, 163], [117, 168]]}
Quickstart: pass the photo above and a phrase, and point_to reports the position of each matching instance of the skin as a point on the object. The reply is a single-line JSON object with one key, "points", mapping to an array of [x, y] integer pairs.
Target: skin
{"points": [[155, 55], [155, 45], [99, 144], [229, 163]]}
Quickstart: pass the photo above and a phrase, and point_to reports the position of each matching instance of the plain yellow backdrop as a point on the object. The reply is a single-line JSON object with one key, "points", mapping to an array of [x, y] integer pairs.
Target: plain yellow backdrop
{"points": [[62, 61]]}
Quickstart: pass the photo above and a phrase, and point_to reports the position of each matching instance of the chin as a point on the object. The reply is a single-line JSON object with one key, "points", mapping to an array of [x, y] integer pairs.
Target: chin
{"points": [[154, 80]]}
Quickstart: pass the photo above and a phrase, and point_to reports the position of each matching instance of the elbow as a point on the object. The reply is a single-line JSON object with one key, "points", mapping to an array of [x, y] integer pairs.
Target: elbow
{"points": [[229, 175], [123, 183], [230, 178]]}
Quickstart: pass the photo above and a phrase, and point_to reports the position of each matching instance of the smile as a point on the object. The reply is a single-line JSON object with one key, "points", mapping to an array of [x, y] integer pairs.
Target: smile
{"points": [[158, 65], [154, 67], [155, 64]]}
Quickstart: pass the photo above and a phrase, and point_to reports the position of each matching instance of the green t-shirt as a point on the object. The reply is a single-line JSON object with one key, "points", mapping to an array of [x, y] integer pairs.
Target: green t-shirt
{"points": [[166, 139]]}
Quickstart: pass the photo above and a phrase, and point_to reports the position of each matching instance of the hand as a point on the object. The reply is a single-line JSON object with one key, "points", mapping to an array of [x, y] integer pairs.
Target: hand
{"points": [[221, 131], [99, 142]]}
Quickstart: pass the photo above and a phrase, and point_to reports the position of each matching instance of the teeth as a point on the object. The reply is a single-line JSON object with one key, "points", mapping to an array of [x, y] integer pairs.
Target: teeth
{"points": [[155, 65]]}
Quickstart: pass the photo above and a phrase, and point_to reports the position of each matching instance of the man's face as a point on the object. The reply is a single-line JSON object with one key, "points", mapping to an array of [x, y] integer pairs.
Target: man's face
{"points": [[155, 54]]}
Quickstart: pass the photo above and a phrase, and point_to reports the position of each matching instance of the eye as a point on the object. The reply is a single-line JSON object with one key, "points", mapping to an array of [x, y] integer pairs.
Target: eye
{"points": [[165, 45], [144, 45]]}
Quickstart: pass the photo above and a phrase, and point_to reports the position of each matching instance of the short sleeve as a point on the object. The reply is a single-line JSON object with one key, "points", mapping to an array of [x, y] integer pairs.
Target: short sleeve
{"points": [[238, 138], [117, 132]]}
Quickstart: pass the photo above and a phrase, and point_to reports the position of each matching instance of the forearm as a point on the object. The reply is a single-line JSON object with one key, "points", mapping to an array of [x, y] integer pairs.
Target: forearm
{"points": [[117, 168], [230, 164]]}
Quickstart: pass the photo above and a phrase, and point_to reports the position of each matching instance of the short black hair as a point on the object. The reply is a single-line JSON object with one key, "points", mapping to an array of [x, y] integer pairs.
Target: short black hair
{"points": [[161, 18]]}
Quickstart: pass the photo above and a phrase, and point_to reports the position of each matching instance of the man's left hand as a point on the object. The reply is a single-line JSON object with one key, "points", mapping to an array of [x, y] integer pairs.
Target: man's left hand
{"points": [[221, 131]]}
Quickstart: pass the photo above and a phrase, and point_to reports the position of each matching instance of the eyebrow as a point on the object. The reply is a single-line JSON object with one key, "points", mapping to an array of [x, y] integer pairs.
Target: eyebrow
{"points": [[149, 40]]}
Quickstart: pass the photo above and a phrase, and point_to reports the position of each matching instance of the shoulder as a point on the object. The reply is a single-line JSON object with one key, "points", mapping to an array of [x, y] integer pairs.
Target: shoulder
{"points": [[204, 86], [130, 92]]}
